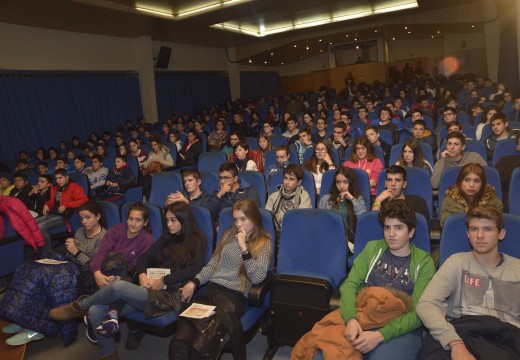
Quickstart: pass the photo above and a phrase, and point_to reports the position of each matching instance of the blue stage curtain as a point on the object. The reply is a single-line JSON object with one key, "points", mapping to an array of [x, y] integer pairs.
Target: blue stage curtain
{"points": [[188, 93], [42, 108], [254, 84]]}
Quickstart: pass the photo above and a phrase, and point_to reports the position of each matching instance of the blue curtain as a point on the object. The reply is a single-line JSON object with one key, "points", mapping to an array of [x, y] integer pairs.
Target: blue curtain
{"points": [[42, 108], [181, 93], [254, 84]]}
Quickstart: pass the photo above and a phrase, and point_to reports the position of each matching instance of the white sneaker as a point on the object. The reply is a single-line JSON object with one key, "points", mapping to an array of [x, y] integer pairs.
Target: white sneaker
{"points": [[24, 337]]}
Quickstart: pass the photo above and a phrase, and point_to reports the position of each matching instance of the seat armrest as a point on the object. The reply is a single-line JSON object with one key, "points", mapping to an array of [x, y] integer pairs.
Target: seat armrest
{"points": [[258, 292], [334, 301]]}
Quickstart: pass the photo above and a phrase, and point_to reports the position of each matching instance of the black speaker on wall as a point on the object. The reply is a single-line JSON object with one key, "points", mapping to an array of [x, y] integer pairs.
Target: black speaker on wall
{"points": [[164, 57]]}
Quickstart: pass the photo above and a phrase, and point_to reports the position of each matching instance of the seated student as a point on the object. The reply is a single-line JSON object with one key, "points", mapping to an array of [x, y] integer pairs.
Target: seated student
{"points": [[119, 179], [412, 156], [61, 163], [264, 145], [372, 134], [423, 135], [499, 126], [282, 160], [28, 309], [22, 167], [454, 155], [137, 153], [393, 263], [231, 190], [233, 139], [190, 151], [180, 249], [395, 183], [320, 162], [340, 139], [303, 143], [471, 305], [290, 195], [449, 114], [21, 188], [241, 259], [43, 168], [345, 197], [386, 122], [469, 190], [193, 194], [242, 159], [321, 127], [505, 167], [97, 175], [64, 199], [292, 131], [363, 157], [488, 114], [39, 195], [5, 184], [79, 164]]}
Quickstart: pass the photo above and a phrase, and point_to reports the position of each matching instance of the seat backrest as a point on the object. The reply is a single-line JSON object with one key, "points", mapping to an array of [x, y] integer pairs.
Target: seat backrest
{"points": [[386, 136], [416, 178], [210, 181], [307, 183], [312, 243], [112, 214], [514, 192], [226, 220], [257, 180], [82, 180], [133, 165], [252, 142], [364, 185], [205, 224], [449, 177], [210, 161], [163, 184], [277, 139], [156, 218], [368, 228], [504, 148], [270, 159], [486, 132], [454, 236]]}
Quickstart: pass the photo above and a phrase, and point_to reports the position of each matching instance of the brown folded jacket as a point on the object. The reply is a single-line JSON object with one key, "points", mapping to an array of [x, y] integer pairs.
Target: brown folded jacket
{"points": [[376, 306]]}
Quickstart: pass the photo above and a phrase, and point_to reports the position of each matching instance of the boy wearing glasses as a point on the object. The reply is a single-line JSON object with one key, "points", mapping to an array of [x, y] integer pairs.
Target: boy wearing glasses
{"points": [[231, 190], [471, 305]]}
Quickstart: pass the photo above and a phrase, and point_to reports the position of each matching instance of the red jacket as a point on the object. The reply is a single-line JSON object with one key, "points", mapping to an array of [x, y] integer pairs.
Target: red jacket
{"points": [[72, 197], [21, 221]]}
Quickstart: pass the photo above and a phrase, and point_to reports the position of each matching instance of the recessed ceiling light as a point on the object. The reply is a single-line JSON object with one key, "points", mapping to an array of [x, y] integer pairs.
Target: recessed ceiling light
{"points": [[355, 39], [319, 40], [295, 45], [409, 32], [432, 36], [265, 62], [393, 38], [473, 26], [438, 32], [330, 43], [357, 47], [375, 30], [250, 61], [406, 27], [307, 47], [272, 54], [321, 50], [346, 35], [301, 57], [282, 63]]}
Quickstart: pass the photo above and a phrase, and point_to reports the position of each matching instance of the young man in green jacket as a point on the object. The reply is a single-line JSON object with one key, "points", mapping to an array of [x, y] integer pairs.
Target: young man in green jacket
{"points": [[392, 263]]}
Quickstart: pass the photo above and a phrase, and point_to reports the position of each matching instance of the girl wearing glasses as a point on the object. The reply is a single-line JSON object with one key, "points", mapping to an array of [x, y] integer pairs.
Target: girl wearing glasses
{"points": [[320, 162]]}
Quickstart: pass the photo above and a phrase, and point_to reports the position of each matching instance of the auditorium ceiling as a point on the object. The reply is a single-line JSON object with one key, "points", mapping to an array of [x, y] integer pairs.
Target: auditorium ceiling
{"points": [[267, 31]]}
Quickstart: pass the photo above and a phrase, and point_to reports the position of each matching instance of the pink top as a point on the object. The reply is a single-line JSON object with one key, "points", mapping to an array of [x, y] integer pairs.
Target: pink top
{"points": [[372, 168]]}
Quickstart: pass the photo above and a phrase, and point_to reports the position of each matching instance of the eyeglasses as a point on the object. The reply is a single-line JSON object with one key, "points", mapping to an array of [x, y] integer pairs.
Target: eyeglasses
{"points": [[320, 150], [485, 229]]}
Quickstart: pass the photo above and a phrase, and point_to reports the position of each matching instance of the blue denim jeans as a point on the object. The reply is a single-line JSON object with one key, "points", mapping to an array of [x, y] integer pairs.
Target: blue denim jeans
{"points": [[135, 297]]}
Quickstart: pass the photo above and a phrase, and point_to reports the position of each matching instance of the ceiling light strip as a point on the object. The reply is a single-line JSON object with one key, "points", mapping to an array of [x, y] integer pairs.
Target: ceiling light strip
{"points": [[154, 12]]}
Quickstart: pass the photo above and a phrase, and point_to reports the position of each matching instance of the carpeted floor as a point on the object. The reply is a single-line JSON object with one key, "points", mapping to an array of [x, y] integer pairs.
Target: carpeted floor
{"points": [[151, 347]]}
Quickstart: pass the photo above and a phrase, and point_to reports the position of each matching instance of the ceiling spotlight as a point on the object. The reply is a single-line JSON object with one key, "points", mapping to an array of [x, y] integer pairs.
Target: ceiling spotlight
{"points": [[319, 40], [393, 38], [301, 57], [272, 54], [432, 36], [346, 35], [282, 63], [330, 43], [355, 39], [409, 32], [357, 47], [472, 26], [307, 47], [406, 27], [265, 62], [250, 61], [438, 32], [321, 50], [375, 30], [295, 45]]}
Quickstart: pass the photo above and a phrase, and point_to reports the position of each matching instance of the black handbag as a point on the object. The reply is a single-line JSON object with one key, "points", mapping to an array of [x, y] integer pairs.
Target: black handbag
{"points": [[160, 302]]}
